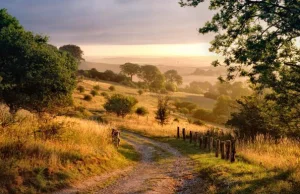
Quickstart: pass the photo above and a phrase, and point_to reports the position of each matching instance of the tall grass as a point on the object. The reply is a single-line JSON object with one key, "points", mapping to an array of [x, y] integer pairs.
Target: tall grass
{"points": [[40, 156]]}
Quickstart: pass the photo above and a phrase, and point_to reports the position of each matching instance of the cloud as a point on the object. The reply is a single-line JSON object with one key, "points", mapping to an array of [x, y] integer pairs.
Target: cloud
{"points": [[112, 21]]}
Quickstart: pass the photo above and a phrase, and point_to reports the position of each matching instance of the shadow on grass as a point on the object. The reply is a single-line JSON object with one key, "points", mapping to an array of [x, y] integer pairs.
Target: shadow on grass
{"points": [[238, 177], [129, 152]]}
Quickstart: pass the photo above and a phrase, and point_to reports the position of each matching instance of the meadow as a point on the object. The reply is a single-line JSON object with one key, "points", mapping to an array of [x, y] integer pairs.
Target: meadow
{"points": [[65, 149]]}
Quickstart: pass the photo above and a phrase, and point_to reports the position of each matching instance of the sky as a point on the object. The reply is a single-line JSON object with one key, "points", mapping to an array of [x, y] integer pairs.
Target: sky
{"points": [[117, 27]]}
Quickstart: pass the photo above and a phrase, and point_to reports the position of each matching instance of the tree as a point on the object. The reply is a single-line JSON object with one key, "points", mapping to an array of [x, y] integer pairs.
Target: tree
{"points": [[223, 108], [173, 77], [257, 39], [141, 111], [130, 69], [151, 75], [120, 104], [162, 113], [35, 76], [74, 50]]}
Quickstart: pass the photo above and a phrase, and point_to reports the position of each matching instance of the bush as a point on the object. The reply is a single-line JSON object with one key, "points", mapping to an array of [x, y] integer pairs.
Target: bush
{"points": [[104, 94], [171, 87], [211, 95], [198, 122], [203, 114], [96, 88], [87, 97], [94, 93], [163, 91], [112, 88], [120, 104], [80, 89], [141, 111], [140, 92], [176, 120]]}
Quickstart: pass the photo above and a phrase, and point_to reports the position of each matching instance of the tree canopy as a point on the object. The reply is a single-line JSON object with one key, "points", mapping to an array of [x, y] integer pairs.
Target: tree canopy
{"points": [[35, 75], [130, 69], [120, 104], [173, 77], [74, 50]]}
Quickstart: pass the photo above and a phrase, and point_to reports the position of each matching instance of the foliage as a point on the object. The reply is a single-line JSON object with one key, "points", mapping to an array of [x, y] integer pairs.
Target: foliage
{"points": [[223, 109], [74, 50], [97, 87], [199, 122], [140, 92], [152, 77], [87, 97], [112, 88], [141, 111], [130, 69], [257, 116], [258, 40], [172, 76], [120, 104], [185, 105], [171, 87], [80, 89], [104, 94], [107, 75], [162, 113], [203, 114], [94, 93], [35, 75]]}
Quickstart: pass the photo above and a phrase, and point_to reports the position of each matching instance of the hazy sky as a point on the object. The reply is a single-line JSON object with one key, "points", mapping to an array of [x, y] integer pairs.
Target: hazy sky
{"points": [[117, 27]]}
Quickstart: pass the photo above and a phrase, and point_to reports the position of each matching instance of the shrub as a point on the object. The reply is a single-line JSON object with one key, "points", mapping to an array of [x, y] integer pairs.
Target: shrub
{"points": [[171, 87], [80, 89], [87, 97], [96, 88], [203, 114], [112, 88], [141, 111], [176, 120], [140, 92], [162, 113], [94, 93], [120, 104], [198, 122], [163, 91], [104, 94]]}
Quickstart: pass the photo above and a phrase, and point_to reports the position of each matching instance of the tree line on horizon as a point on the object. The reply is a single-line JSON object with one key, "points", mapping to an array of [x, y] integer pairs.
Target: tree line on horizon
{"points": [[150, 77]]}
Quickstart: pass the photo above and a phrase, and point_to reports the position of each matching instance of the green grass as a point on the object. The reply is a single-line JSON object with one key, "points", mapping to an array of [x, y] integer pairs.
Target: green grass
{"points": [[239, 177]]}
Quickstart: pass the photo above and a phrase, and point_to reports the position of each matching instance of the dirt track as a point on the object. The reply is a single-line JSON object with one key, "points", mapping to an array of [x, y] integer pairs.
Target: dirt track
{"points": [[162, 170]]}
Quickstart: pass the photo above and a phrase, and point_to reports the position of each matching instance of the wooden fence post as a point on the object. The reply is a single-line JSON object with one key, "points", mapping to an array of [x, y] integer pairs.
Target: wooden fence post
{"points": [[200, 141], [178, 131], [233, 151], [228, 149], [196, 138], [183, 134], [191, 136], [222, 149], [217, 148], [211, 141]]}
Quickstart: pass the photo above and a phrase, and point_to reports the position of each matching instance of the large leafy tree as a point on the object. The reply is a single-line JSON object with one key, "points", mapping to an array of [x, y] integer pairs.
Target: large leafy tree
{"points": [[74, 50], [173, 77], [130, 69], [151, 75], [35, 75], [258, 39]]}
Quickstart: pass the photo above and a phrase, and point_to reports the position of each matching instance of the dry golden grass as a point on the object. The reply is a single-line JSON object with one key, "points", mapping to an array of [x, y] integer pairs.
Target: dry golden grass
{"points": [[283, 154], [61, 151]]}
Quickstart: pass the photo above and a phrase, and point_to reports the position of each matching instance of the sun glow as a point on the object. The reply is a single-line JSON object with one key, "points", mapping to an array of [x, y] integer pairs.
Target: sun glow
{"points": [[200, 49]]}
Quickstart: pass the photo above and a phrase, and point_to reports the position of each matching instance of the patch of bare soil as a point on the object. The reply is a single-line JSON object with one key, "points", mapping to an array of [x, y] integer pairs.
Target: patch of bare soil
{"points": [[162, 170]]}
